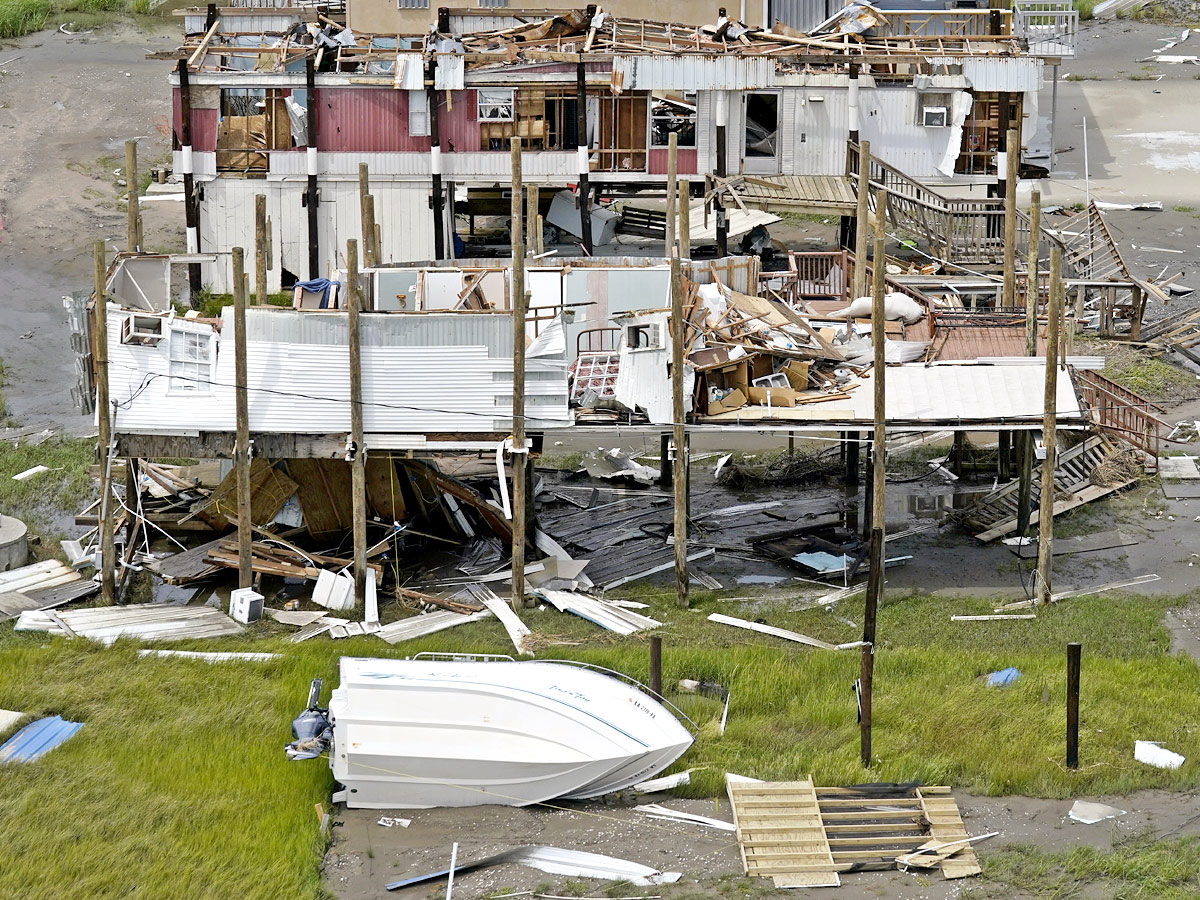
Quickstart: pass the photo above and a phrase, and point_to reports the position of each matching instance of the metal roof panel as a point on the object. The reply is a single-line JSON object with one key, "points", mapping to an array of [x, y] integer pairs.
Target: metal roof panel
{"points": [[37, 739]]}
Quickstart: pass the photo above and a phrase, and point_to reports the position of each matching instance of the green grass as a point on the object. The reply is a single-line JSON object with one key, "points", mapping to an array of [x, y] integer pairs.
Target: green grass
{"points": [[39, 499], [18, 17], [1139, 868], [1154, 379], [210, 305], [178, 777], [1086, 8]]}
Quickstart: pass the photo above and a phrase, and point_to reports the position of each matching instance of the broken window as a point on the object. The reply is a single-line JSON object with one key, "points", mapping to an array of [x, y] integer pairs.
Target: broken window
{"points": [[933, 111], [762, 125], [495, 105], [673, 113], [643, 337], [190, 362]]}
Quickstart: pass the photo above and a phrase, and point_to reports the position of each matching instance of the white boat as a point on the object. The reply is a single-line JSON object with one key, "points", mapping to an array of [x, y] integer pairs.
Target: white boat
{"points": [[421, 733]]}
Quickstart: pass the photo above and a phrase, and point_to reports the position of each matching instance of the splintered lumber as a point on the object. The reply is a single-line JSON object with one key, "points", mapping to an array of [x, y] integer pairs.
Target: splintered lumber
{"points": [[190, 565], [284, 561], [780, 633], [269, 490], [946, 825], [444, 602]]}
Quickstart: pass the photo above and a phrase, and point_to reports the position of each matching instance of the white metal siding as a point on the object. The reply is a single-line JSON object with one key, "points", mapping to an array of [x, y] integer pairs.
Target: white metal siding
{"points": [[821, 131], [787, 137], [1014, 74], [692, 73], [706, 129], [889, 120]]}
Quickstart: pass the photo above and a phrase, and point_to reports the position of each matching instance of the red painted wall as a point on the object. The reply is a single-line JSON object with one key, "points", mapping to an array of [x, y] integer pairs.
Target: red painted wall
{"points": [[365, 120], [685, 160], [204, 124], [457, 125]]}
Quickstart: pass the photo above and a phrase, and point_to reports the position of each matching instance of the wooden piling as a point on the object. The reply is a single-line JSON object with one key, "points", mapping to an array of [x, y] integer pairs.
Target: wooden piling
{"points": [[241, 450], [1049, 422], [108, 557], [672, 177], [680, 486], [866, 674], [260, 249], [366, 224], [133, 227], [520, 453], [685, 219], [862, 214], [358, 463], [191, 206], [1012, 157], [1031, 268], [585, 191], [655, 666], [532, 200], [310, 190], [1074, 651]]}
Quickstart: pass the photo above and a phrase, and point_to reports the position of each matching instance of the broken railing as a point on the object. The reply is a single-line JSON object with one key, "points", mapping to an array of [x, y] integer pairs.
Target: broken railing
{"points": [[1122, 412]]}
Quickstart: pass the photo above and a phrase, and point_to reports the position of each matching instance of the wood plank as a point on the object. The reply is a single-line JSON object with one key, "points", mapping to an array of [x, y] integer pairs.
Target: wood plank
{"points": [[946, 825], [799, 849]]}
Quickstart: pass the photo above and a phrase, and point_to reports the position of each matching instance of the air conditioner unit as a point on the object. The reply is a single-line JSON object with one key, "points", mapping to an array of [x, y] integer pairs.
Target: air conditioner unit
{"points": [[142, 330], [934, 117]]}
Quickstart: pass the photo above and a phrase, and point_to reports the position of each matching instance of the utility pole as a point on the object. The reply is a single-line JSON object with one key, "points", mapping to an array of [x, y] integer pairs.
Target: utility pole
{"points": [[241, 450], [1011, 159], [358, 463], [520, 453], [108, 553], [260, 249], [878, 481], [862, 214], [685, 219], [364, 211], [680, 480], [310, 190], [1025, 438], [585, 190], [133, 228], [1049, 437]]}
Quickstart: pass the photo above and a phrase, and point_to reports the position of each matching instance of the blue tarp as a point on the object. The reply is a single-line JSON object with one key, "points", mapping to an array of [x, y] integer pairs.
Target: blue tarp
{"points": [[37, 739], [1003, 677], [319, 286]]}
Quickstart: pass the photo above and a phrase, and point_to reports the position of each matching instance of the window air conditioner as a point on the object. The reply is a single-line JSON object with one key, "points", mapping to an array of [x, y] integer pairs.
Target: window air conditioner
{"points": [[934, 117]]}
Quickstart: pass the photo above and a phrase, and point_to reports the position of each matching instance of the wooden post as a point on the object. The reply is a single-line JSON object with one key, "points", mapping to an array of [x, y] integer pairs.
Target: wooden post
{"points": [[852, 457], [1012, 157], [108, 553], [1049, 421], [1031, 267], [358, 464], [666, 467], [241, 450], [532, 199], [722, 225], [435, 166], [863, 213], [680, 438], [866, 675], [191, 206], [672, 177], [364, 211], [1025, 482], [310, 191], [1074, 652], [655, 666], [685, 219], [520, 452], [1003, 452], [133, 228], [260, 249], [585, 190]]}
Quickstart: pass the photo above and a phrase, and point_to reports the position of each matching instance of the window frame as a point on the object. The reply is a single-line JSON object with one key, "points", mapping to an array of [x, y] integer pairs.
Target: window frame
{"points": [[695, 121], [480, 104], [196, 381]]}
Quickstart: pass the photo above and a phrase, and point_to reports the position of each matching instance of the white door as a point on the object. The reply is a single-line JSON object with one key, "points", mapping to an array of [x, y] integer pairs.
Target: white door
{"points": [[760, 140]]}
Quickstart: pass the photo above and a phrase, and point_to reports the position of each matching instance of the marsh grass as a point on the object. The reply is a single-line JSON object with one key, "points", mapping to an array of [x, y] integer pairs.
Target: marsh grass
{"points": [[40, 498], [178, 777]]}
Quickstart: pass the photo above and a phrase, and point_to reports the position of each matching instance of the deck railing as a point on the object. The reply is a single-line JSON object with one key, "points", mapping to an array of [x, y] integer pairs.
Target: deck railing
{"points": [[1122, 412]]}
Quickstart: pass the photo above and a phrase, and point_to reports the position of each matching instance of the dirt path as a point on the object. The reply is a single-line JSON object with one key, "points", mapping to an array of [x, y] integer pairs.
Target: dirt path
{"points": [[366, 855], [67, 106]]}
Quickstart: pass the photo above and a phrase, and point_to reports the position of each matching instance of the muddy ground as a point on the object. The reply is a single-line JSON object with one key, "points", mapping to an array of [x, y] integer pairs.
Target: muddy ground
{"points": [[68, 103]]}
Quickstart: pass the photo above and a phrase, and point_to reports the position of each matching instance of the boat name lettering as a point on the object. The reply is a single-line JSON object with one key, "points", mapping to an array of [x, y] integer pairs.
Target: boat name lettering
{"points": [[575, 694]]}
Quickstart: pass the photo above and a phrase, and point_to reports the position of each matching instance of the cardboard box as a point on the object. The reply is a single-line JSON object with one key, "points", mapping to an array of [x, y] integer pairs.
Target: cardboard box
{"points": [[735, 399], [734, 378], [797, 374]]}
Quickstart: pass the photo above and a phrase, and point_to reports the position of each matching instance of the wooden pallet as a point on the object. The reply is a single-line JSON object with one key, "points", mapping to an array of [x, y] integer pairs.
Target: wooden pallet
{"points": [[800, 835]]}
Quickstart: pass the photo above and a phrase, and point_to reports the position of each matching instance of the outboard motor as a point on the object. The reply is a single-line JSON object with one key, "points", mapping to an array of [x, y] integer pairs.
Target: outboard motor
{"points": [[311, 728]]}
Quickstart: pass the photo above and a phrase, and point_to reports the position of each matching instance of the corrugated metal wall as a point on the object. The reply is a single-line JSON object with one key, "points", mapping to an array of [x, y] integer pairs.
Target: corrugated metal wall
{"points": [[803, 15], [452, 383], [227, 221], [692, 73], [888, 119], [364, 119], [204, 124], [656, 161], [457, 122]]}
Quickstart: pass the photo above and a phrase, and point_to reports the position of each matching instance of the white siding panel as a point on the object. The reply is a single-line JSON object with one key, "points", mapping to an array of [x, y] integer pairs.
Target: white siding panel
{"points": [[693, 73], [822, 129], [706, 129], [889, 121], [1015, 74], [788, 138]]}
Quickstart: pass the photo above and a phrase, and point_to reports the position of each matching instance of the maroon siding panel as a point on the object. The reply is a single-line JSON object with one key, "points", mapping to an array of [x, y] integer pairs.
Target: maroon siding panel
{"points": [[459, 127], [365, 120], [685, 160], [204, 125]]}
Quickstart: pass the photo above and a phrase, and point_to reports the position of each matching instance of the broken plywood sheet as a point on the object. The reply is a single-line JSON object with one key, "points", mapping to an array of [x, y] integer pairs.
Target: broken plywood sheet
{"points": [[946, 825], [323, 489], [269, 490], [780, 833]]}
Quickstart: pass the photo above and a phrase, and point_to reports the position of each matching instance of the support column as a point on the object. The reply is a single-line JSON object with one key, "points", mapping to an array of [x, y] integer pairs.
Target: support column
{"points": [[191, 206], [241, 450], [435, 166], [1049, 438], [722, 150], [520, 452], [310, 195], [1053, 114], [863, 213], [685, 219], [666, 470], [260, 249], [585, 190], [366, 222], [672, 177], [108, 552], [358, 463], [1031, 269], [1011, 158], [680, 439], [1003, 452], [852, 457], [853, 103], [133, 227]]}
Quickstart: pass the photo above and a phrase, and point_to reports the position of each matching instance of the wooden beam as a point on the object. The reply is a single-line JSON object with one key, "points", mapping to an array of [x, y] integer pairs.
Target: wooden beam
{"points": [[358, 464], [680, 479], [241, 458], [520, 455], [1049, 437], [104, 417]]}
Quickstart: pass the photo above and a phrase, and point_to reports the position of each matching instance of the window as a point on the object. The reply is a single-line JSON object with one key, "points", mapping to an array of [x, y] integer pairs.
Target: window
{"points": [[934, 110], [243, 101], [418, 114], [190, 355], [412, 4], [643, 337], [495, 105], [673, 113]]}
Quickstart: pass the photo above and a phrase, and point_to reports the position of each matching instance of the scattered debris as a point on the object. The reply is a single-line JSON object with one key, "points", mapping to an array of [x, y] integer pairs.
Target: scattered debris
{"points": [[664, 783], [29, 473], [214, 657], [1153, 753], [1089, 813], [37, 739], [426, 624], [780, 633], [614, 465], [145, 621], [663, 813], [556, 861], [390, 821], [1003, 677], [598, 612]]}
